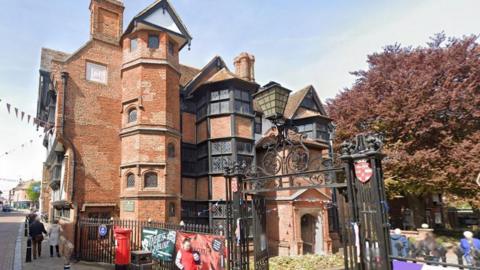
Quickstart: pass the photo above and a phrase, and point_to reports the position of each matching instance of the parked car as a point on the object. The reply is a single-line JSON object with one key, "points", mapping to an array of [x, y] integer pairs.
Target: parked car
{"points": [[7, 208]]}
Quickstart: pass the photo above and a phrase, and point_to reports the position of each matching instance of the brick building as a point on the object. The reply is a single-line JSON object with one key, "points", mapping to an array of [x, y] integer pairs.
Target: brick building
{"points": [[136, 134]]}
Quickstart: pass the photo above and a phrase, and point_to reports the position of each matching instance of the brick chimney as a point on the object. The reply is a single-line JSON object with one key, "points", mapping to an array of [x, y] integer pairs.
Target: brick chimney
{"points": [[106, 20], [244, 66]]}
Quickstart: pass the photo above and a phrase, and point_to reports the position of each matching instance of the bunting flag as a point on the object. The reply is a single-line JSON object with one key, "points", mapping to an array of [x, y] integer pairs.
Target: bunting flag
{"points": [[21, 146], [35, 122]]}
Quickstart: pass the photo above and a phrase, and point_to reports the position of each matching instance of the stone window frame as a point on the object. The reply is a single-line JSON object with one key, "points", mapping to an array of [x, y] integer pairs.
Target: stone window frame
{"points": [[132, 105], [144, 179], [127, 175]]}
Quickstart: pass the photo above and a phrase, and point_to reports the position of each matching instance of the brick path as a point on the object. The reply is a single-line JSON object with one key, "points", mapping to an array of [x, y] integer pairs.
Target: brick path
{"points": [[9, 225]]}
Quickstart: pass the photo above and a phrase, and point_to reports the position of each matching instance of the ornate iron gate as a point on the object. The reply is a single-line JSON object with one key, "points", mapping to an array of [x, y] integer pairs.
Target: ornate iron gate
{"points": [[287, 166]]}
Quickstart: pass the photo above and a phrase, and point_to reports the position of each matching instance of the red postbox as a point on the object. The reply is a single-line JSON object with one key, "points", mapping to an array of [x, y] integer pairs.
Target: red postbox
{"points": [[122, 246]]}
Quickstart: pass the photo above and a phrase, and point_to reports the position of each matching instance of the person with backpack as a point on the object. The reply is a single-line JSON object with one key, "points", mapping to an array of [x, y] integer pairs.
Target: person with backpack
{"points": [[36, 233]]}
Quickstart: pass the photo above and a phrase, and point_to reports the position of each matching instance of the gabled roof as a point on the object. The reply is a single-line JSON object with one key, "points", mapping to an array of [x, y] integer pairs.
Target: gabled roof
{"points": [[205, 73], [295, 100], [47, 55], [161, 15], [187, 73]]}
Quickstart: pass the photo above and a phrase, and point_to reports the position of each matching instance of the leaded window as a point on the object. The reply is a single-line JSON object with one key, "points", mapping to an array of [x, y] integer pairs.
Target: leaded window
{"points": [[221, 147], [202, 150], [219, 163], [306, 129], [130, 180], [151, 180], [243, 102], [247, 160], [202, 165], [219, 95], [220, 107], [189, 158], [258, 125], [244, 147], [322, 132]]}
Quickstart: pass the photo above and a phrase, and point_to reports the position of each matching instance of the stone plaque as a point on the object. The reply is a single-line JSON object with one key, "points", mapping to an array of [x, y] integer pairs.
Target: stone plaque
{"points": [[129, 206]]}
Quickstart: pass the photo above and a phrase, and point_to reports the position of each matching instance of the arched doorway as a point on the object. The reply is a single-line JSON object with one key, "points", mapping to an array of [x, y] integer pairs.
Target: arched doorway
{"points": [[308, 233]]}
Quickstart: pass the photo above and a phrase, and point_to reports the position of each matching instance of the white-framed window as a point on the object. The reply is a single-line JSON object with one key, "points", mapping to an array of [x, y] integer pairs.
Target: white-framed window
{"points": [[96, 73]]}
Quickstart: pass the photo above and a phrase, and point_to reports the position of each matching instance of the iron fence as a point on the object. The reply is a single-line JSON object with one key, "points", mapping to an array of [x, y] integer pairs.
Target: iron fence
{"points": [[94, 247]]}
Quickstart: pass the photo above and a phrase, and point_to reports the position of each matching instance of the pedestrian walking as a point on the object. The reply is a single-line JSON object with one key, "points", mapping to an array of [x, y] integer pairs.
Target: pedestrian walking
{"points": [[36, 233], [53, 236], [185, 257]]}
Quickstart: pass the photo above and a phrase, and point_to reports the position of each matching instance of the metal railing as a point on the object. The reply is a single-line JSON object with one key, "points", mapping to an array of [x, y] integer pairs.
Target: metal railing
{"points": [[93, 247]]}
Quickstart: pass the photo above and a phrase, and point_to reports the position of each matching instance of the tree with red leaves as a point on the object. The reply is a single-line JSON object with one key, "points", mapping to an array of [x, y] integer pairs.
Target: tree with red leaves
{"points": [[425, 101]]}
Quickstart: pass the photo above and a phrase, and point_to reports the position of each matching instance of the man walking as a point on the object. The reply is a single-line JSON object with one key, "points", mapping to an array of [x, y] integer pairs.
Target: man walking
{"points": [[36, 232]]}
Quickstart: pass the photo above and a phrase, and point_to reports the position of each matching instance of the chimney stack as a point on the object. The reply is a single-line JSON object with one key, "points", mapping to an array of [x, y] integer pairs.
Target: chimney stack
{"points": [[244, 66], [106, 20]]}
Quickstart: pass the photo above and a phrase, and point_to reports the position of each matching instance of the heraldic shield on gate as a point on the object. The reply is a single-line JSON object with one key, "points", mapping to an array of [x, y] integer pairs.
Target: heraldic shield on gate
{"points": [[286, 165]]}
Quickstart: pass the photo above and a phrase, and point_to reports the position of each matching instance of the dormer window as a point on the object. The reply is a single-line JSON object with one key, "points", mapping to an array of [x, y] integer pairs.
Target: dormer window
{"points": [[133, 44], [132, 115], [153, 41]]}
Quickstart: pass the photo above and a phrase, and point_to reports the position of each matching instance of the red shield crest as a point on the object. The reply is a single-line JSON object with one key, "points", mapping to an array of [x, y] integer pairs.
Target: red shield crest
{"points": [[363, 170]]}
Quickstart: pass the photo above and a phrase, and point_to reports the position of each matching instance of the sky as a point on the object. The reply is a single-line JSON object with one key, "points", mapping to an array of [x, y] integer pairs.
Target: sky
{"points": [[295, 43]]}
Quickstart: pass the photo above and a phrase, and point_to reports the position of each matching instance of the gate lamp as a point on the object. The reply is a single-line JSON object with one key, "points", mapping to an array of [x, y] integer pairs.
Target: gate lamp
{"points": [[272, 100]]}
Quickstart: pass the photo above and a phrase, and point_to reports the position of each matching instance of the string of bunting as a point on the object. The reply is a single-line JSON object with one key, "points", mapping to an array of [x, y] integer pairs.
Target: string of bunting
{"points": [[21, 146], [21, 115]]}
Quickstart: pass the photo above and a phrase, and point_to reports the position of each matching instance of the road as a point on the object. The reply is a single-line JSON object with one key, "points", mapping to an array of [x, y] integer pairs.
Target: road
{"points": [[9, 224]]}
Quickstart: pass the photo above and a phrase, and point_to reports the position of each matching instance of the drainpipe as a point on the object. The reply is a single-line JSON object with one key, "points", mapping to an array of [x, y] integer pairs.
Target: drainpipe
{"points": [[64, 85]]}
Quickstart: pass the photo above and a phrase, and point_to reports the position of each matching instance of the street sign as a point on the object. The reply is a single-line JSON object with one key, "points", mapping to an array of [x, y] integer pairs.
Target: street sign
{"points": [[102, 230], [363, 172]]}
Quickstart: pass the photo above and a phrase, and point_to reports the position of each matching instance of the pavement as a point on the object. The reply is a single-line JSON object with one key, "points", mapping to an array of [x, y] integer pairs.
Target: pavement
{"points": [[13, 246]]}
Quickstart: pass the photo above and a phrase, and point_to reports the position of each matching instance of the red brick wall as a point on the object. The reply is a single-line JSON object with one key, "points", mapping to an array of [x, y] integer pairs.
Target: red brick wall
{"points": [[218, 188], [220, 127], [92, 124], [243, 127]]}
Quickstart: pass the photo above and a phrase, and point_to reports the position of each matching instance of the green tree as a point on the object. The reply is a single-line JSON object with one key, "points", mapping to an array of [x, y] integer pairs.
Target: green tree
{"points": [[425, 101], [33, 191]]}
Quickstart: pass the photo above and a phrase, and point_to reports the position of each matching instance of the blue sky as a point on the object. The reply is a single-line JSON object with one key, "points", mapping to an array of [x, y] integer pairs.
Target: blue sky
{"points": [[296, 43]]}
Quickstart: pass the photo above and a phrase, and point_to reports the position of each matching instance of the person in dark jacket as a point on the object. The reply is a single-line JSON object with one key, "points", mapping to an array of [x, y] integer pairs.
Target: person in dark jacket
{"points": [[36, 233], [399, 244]]}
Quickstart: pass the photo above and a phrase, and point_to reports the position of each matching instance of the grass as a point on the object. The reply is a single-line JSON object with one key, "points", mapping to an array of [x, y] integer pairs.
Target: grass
{"points": [[305, 262]]}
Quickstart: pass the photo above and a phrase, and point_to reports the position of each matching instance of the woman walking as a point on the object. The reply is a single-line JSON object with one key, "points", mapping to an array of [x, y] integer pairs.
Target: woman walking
{"points": [[36, 233], [53, 236]]}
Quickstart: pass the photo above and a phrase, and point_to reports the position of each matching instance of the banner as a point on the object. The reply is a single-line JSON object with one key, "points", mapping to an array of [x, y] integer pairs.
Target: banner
{"points": [[210, 247], [160, 242]]}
